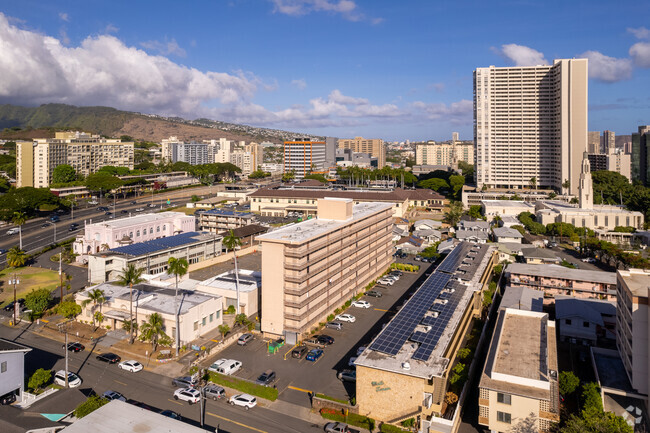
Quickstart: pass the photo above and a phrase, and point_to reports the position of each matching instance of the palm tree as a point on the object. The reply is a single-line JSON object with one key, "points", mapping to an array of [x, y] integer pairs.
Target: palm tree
{"points": [[566, 185], [178, 268], [131, 276], [455, 212], [95, 296], [19, 219], [153, 329], [533, 182], [16, 257], [232, 242]]}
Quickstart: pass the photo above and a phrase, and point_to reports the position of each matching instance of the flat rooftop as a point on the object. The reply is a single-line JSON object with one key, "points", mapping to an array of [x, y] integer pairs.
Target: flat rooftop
{"points": [[304, 231], [507, 203], [638, 281], [557, 271], [161, 244], [248, 281], [139, 219]]}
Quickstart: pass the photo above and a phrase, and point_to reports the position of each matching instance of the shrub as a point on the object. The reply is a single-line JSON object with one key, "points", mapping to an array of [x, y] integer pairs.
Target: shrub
{"points": [[451, 398], [330, 317], [337, 311], [230, 310], [266, 392], [352, 418], [327, 397], [464, 353], [389, 428], [91, 404], [409, 422], [348, 303], [568, 382]]}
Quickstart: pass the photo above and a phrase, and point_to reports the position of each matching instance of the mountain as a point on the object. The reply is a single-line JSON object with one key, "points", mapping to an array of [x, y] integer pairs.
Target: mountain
{"points": [[40, 122]]}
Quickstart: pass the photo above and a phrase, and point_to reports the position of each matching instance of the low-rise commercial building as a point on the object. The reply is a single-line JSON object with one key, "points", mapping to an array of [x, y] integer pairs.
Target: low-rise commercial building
{"points": [[219, 220], [492, 208], [519, 385], [559, 280], [313, 267], [12, 368], [152, 256], [225, 286], [404, 371]]}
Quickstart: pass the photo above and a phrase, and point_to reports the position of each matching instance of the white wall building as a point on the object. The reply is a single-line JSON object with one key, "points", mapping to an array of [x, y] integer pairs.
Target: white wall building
{"points": [[12, 368]]}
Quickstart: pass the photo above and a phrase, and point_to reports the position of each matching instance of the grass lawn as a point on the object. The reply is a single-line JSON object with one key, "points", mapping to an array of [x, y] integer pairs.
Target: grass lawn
{"points": [[30, 278]]}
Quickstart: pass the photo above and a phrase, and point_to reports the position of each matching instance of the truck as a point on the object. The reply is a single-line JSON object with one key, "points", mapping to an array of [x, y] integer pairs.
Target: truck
{"points": [[339, 427]]}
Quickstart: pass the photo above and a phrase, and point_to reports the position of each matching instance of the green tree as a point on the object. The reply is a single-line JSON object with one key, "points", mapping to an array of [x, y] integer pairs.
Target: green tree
{"points": [[435, 184], [568, 382], [19, 219], [95, 297], [232, 242], [39, 378], [591, 400], [102, 182], [456, 183], [258, 174], [533, 182], [177, 268], [38, 300], [181, 166], [475, 211], [130, 277], [455, 212], [16, 257], [566, 185], [605, 422], [316, 176], [68, 309], [64, 173], [153, 329], [288, 176], [223, 329], [91, 404], [98, 317], [468, 171]]}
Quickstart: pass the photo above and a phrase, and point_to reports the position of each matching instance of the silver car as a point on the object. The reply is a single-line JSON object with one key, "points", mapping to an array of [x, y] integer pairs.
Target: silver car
{"points": [[215, 392]]}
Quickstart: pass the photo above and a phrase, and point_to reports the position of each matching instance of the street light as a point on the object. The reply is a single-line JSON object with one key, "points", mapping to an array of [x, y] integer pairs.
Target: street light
{"points": [[15, 281], [64, 328]]}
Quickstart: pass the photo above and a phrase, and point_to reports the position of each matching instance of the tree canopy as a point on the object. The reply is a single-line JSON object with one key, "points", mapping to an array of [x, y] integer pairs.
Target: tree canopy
{"points": [[102, 181], [435, 184], [27, 200], [64, 173]]}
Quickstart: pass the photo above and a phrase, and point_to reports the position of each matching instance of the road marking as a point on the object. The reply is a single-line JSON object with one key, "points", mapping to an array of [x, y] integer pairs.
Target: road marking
{"points": [[379, 309], [121, 383], [235, 422], [298, 389], [216, 341], [174, 401], [45, 321]]}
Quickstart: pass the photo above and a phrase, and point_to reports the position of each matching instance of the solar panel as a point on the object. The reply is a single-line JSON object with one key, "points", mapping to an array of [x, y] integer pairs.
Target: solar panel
{"points": [[154, 245], [418, 336], [428, 320], [393, 337], [454, 258]]}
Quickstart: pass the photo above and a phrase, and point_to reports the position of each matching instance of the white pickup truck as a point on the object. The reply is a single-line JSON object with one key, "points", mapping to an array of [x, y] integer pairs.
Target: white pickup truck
{"points": [[339, 427]]}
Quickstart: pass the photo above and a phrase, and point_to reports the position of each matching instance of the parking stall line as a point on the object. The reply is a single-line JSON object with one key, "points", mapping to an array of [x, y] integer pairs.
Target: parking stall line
{"points": [[295, 388], [236, 422], [379, 309]]}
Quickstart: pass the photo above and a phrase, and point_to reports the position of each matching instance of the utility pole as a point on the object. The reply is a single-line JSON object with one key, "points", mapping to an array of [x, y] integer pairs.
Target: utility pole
{"points": [[61, 275], [64, 328], [14, 282]]}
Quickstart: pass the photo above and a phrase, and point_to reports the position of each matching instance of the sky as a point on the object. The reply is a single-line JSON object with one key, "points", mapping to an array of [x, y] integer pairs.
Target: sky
{"points": [[387, 69]]}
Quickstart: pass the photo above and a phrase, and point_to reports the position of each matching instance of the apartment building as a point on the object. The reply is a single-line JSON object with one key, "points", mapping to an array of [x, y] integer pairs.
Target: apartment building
{"points": [[518, 384], [432, 153], [311, 268], [593, 142], [218, 220], [404, 372], [559, 280], [641, 155], [633, 326], [304, 155], [615, 161], [609, 141], [84, 152], [530, 122], [374, 146], [174, 150]]}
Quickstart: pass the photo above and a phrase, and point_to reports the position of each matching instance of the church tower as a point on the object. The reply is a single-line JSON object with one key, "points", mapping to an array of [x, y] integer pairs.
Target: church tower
{"points": [[585, 188]]}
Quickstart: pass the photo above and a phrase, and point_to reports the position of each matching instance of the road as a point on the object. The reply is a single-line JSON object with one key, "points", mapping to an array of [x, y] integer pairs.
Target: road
{"points": [[152, 389]]}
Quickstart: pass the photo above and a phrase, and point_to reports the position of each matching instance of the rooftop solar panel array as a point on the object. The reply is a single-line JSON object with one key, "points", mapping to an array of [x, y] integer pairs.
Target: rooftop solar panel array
{"points": [[155, 245], [454, 258], [393, 337]]}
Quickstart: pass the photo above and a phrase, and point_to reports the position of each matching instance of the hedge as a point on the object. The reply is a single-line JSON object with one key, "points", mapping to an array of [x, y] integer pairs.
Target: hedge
{"points": [[327, 397], [389, 428], [405, 267], [91, 404], [352, 418], [266, 392]]}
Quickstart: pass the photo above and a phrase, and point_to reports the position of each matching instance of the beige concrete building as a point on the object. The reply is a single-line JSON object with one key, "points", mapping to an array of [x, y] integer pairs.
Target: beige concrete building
{"points": [[313, 267], [432, 153], [84, 152], [374, 146], [404, 372], [530, 122], [593, 142], [633, 326], [518, 387], [225, 286], [609, 141]]}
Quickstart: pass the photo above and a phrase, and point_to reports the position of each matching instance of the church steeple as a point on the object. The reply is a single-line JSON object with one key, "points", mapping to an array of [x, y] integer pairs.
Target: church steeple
{"points": [[585, 188]]}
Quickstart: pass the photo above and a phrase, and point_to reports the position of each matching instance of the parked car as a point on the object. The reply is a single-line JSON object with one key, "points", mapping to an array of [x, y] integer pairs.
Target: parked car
{"points": [[132, 366], [215, 392], [183, 381], [334, 325], [314, 354], [361, 304], [338, 427], [113, 395], [111, 358], [139, 404], [589, 260], [299, 352], [73, 380], [245, 400], [75, 347], [266, 378], [325, 339], [171, 414], [395, 278], [345, 317], [347, 375], [189, 395], [8, 398], [245, 338], [374, 293], [314, 341], [386, 281], [396, 272], [216, 364], [228, 367]]}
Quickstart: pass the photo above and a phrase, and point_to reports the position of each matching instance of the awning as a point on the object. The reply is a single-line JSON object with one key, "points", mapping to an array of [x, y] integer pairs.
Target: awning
{"points": [[117, 314]]}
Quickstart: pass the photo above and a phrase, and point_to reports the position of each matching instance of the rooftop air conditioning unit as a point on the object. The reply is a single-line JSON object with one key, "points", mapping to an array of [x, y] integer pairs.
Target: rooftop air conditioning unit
{"points": [[406, 366]]}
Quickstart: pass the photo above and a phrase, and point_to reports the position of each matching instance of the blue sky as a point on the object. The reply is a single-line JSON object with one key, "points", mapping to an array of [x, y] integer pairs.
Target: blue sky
{"points": [[388, 69]]}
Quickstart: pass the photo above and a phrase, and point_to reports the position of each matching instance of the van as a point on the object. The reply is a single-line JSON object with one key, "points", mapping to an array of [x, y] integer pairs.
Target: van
{"points": [[13, 231], [229, 367]]}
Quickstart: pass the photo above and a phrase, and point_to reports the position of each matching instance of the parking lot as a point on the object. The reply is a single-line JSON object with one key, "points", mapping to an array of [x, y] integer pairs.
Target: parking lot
{"points": [[295, 377]]}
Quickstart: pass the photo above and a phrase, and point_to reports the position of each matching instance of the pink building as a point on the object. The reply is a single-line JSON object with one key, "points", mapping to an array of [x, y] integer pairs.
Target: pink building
{"points": [[126, 231], [559, 280]]}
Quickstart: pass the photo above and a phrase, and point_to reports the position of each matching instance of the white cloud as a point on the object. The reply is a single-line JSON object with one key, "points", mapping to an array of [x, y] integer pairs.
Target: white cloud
{"points": [[521, 55], [640, 52], [639, 33], [347, 8], [301, 84], [438, 87], [165, 48], [110, 28], [457, 113], [63, 34], [607, 69], [64, 16]]}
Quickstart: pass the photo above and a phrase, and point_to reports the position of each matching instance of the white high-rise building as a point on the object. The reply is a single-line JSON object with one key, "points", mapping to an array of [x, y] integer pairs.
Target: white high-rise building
{"points": [[530, 122], [304, 155]]}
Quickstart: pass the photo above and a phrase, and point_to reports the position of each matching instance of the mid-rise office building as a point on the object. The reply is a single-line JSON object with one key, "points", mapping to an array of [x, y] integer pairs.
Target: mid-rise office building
{"points": [[641, 155], [36, 160], [304, 155], [609, 141], [454, 136], [530, 122], [432, 153], [193, 153], [313, 267], [613, 161], [633, 326], [593, 142], [374, 146]]}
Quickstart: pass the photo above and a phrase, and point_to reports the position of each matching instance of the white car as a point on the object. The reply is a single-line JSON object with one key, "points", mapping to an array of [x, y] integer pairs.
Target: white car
{"points": [[73, 380], [390, 277], [246, 400], [589, 260], [216, 364], [386, 281], [361, 304], [346, 318], [140, 209], [131, 365], [189, 395], [351, 361]]}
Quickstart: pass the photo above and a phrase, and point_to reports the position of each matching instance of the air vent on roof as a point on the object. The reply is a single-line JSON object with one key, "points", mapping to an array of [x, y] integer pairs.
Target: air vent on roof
{"points": [[406, 366]]}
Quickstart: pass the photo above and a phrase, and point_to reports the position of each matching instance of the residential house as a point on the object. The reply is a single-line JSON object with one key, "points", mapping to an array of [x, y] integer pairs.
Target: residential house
{"points": [[539, 256], [585, 320], [12, 368], [506, 234], [476, 236]]}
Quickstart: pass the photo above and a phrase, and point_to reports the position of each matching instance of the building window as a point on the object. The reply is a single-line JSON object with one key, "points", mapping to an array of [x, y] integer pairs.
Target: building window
{"points": [[196, 325], [504, 398], [131, 235], [158, 229], [137, 233], [150, 230], [585, 324], [204, 321], [3, 367], [211, 317], [218, 314], [503, 417], [567, 321]]}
